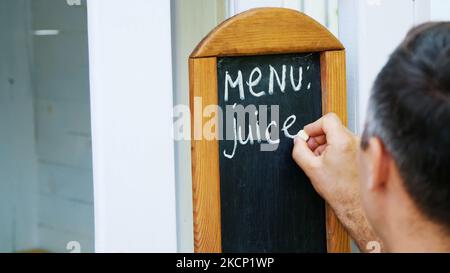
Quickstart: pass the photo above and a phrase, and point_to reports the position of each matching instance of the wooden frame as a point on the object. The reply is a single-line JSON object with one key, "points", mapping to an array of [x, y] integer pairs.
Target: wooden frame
{"points": [[260, 31]]}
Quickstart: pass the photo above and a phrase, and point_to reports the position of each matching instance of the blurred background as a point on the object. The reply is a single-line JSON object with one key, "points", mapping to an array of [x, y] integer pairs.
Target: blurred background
{"points": [[60, 59]]}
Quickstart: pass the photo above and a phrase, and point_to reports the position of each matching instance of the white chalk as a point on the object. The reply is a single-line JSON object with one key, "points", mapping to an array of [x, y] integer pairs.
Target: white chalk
{"points": [[303, 135]]}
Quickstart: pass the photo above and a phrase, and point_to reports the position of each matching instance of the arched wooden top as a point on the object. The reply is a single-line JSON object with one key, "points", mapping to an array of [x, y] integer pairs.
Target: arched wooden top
{"points": [[267, 31]]}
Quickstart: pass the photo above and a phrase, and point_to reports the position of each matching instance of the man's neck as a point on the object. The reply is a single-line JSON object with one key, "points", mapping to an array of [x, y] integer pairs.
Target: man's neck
{"points": [[418, 236]]}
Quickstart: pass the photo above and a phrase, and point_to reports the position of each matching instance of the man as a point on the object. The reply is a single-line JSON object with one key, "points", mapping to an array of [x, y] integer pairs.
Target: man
{"points": [[393, 185]]}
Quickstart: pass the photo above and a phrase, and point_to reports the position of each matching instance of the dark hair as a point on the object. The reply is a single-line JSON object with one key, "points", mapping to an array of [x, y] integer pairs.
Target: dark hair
{"points": [[409, 110]]}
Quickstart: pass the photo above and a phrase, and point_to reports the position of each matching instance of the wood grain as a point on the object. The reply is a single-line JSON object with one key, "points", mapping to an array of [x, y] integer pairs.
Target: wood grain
{"points": [[265, 31], [334, 99], [205, 162]]}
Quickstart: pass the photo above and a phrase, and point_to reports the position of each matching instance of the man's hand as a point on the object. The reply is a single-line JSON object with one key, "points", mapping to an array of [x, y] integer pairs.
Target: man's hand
{"points": [[330, 160]]}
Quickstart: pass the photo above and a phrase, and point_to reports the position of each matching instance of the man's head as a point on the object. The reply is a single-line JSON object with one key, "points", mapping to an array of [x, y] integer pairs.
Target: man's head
{"points": [[406, 143]]}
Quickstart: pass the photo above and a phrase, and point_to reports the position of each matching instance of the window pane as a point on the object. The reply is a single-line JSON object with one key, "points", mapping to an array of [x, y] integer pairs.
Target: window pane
{"points": [[46, 188]]}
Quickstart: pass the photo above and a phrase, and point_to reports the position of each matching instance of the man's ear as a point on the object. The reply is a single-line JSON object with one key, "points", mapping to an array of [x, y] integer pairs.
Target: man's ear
{"points": [[378, 160]]}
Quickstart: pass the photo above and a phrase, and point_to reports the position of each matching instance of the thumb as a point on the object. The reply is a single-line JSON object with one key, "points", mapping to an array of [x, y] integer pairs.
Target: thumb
{"points": [[303, 156]]}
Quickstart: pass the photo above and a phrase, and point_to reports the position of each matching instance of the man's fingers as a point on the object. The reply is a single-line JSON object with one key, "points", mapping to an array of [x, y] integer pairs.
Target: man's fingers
{"points": [[319, 150], [312, 144], [303, 155], [326, 126], [306, 154], [315, 142], [320, 139], [315, 129]]}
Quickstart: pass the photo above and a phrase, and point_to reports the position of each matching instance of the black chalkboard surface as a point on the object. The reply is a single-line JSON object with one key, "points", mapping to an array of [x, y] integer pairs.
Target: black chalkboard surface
{"points": [[267, 202]]}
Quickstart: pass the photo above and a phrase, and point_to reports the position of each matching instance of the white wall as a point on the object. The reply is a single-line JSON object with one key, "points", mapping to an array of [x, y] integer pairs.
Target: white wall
{"points": [[131, 106], [323, 11], [18, 183], [440, 10], [370, 31], [63, 133]]}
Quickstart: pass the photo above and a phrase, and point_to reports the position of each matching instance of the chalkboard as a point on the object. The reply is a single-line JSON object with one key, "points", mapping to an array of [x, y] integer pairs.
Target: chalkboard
{"points": [[246, 199], [267, 202]]}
